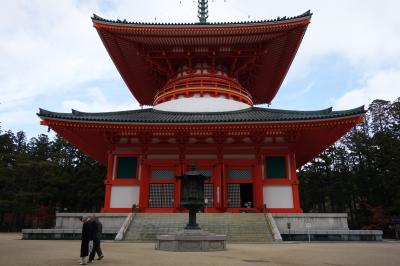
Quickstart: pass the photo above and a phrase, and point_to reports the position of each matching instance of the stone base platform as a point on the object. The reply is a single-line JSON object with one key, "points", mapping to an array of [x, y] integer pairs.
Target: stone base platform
{"points": [[320, 227], [332, 235], [191, 240], [68, 226]]}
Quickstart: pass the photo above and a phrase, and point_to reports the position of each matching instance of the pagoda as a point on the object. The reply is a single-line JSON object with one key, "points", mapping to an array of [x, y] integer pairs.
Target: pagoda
{"points": [[203, 82]]}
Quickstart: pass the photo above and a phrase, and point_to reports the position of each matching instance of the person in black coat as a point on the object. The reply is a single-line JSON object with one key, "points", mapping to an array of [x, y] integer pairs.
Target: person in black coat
{"points": [[98, 228], [88, 232]]}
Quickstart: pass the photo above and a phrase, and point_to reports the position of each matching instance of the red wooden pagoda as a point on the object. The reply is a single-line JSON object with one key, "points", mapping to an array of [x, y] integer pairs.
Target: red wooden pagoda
{"points": [[202, 81]]}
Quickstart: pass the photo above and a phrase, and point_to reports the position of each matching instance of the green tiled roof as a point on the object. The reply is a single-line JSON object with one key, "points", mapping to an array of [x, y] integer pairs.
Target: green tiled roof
{"points": [[285, 19], [149, 115]]}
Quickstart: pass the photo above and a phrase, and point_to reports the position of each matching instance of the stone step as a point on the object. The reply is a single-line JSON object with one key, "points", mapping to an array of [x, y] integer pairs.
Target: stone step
{"points": [[239, 227]]}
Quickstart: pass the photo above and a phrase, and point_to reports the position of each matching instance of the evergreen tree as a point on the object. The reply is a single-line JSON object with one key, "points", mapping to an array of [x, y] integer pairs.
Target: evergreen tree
{"points": [[42, 176], [360, 174]]}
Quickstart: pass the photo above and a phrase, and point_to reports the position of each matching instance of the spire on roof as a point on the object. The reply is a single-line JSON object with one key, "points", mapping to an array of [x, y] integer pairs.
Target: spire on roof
{"points": [[202, 13]]}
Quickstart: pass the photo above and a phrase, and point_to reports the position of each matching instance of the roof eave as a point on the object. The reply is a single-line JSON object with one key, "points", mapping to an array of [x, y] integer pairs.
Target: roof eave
{"points": [[303, 17], [204, 123]]}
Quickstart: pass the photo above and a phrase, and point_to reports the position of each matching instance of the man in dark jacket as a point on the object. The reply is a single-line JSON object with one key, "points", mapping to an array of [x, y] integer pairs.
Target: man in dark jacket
{"points": [[87, 236], [98, 229]]}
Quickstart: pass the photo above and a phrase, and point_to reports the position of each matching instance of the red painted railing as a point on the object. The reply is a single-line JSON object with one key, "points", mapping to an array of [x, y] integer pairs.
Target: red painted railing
{"points": [[213, 84]]}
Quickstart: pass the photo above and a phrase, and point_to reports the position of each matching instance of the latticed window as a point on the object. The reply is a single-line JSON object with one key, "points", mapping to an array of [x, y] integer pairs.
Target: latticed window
{"points": [[234, 196], [239, 173], [127, 167], [205, 172], [276, 167], [161, 195], [162, 173], [209, 195]]}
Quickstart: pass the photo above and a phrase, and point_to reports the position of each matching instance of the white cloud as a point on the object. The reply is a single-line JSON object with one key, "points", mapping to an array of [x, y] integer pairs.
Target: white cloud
{"points": [[45, 47], [96, 101], [306, 90], [18, 117], [383, 85], [363, 32], [12, 116]]}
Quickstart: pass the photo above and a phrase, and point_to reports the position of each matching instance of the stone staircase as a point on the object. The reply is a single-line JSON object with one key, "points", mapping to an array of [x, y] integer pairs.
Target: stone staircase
{"points": [[239, 227]]}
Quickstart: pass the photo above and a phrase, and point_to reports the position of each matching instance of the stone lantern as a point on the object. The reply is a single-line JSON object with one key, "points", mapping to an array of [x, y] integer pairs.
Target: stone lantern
{"points": [[192, 238], [192, 194]]}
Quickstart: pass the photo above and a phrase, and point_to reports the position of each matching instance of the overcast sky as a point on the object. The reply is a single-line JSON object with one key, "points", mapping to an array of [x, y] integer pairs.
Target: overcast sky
{"points": [[51, 57]]}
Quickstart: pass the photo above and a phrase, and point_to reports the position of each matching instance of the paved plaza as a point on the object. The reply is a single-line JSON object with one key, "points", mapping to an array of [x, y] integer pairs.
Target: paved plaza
{"points": [[14, 251]]}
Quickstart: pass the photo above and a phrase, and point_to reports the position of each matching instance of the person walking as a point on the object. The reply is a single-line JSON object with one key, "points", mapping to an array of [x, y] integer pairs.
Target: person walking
{"points": [[98, 229], [87, 236]]}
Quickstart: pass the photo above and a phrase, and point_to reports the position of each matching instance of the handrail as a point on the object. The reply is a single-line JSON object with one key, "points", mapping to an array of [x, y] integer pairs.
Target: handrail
{"points": [[203, 90], [124, 228], [203, 84], [269, 219], [203, 80]]}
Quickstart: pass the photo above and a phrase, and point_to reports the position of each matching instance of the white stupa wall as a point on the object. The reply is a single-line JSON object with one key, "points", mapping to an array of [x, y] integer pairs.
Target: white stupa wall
{"points": [[205, 103]]}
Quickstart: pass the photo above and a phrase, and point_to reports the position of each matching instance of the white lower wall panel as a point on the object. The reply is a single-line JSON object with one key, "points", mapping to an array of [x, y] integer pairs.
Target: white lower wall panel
{"points": [[124, 196], [278, 196]]}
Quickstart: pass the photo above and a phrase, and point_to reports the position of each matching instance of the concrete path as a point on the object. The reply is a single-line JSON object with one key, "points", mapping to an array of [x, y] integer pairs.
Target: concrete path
{"points": [[14, 251]]}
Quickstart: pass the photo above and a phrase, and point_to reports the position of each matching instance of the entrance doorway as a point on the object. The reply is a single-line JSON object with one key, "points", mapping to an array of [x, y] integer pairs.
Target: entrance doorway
{"points": [[240, 195], [246, 195]]}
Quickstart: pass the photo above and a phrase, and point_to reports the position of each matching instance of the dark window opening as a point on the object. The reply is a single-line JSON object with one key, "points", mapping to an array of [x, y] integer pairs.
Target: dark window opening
{"points": [[127, 167], [276, 167]]}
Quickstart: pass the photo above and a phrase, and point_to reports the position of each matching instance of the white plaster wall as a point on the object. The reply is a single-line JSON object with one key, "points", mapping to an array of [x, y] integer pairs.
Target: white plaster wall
{"points": [[201, 104], [124, 196], [278, 196]]}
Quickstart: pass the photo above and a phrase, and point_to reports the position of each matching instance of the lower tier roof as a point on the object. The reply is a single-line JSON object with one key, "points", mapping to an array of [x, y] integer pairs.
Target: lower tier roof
{"points": [[254, 114], [308, 133]]}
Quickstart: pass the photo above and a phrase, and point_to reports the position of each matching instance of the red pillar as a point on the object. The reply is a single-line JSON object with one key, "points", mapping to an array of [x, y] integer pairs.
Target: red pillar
{"points": [[144, 185], [217, 186], [258, 185], [295, 183], [224, 188], [108, 183], [177, 198]]}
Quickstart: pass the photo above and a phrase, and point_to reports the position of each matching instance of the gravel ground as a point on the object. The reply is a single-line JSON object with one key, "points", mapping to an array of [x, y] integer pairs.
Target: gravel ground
{"points": [[14, 251]]}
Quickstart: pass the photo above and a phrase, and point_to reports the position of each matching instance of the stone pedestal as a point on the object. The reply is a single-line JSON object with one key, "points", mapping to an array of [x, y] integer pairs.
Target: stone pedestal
{"points": [[191, 240]]}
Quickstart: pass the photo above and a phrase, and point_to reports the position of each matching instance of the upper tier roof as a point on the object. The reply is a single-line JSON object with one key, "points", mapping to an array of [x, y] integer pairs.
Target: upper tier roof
{"points": [[149, 115], [257, 53], [207, 24]]}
